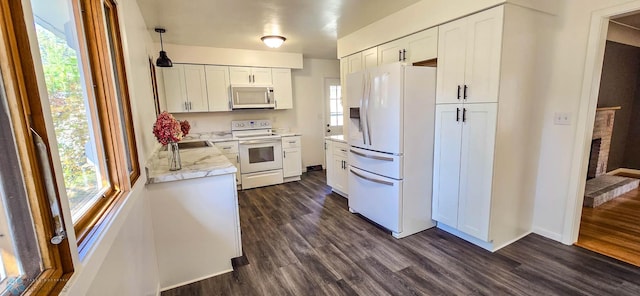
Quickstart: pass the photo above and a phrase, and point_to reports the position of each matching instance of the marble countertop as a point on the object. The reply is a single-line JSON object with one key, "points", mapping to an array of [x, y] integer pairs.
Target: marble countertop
{"points": [[336, 138], [196, 163], [226, 136]]}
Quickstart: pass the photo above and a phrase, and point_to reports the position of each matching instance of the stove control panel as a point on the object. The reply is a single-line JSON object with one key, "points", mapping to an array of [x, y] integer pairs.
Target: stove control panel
{"points": [[243, 125]]}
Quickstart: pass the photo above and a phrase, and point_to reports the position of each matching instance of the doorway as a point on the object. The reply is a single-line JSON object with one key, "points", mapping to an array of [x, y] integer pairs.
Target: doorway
{"points": [[334, 116], [610, 209]]}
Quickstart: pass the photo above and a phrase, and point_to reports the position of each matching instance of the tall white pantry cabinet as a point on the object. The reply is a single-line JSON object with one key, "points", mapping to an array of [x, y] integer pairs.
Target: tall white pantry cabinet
{"points": [[488, 126]]}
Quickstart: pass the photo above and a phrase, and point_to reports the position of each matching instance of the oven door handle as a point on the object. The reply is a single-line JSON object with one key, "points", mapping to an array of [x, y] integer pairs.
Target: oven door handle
{"points": [[259, 142]]}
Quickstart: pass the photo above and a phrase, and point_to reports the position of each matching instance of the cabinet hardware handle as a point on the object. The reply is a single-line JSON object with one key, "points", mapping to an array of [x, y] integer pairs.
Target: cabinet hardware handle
{"points": [[459, 92], [237, 158], [343, 150], [372, 179], [465, 92], [399, 55], [464, 114], [372, 156], [190, 106], [226, 148], [457, 114], [325, 145], [285, 153], [404, 54], [185, 106], [254, 78]]}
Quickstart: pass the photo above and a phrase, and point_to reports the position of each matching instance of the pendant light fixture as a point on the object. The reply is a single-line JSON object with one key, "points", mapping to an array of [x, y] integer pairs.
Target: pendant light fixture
{"points": [[273, 41], [163, 60]]}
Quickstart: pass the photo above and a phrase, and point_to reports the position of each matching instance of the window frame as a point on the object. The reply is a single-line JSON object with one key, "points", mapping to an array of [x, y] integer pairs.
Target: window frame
{"points": [[23, 96], [125, 102], [92, 20]]}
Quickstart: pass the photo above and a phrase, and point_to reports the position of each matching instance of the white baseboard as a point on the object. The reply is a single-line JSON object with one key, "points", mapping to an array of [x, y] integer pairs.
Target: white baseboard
{"points": [[194, 280], [548, 233]]}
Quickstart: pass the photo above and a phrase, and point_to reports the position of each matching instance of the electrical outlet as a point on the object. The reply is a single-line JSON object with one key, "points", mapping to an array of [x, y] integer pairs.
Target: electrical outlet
{"points": [[562, 118]]}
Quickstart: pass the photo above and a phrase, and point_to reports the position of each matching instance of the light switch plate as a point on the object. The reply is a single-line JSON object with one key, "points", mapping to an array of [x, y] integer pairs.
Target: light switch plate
{"points": [[562, 118]]}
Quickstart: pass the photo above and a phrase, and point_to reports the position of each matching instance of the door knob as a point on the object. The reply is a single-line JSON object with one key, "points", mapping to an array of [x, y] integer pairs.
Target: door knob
{"points": [[328, 130], [328, 125]]}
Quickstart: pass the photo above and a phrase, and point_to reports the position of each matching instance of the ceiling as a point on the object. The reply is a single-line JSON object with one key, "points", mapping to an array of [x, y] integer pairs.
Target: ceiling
{"points": [[632, 20], [311, 27]]}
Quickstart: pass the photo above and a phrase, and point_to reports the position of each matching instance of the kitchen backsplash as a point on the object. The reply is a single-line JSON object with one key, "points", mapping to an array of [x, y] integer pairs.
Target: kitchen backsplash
{"points": [[208, 122]]}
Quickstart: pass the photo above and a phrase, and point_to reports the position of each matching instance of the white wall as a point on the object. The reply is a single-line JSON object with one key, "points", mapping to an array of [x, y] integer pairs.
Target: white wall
{"points": [[123, 260], [306, 117], [422, 15]]}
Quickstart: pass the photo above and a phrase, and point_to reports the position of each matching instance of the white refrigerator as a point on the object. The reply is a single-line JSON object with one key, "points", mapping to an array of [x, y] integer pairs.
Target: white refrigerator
{"points": [[391, 117]]}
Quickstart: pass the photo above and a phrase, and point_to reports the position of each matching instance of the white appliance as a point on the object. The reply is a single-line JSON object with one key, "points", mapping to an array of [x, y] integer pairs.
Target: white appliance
{"points": [[252, 97], [391, 130], [260, 153]]}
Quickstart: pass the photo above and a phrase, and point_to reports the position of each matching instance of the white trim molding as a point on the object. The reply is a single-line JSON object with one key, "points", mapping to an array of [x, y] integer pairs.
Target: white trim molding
{"points": [[586, 114]]}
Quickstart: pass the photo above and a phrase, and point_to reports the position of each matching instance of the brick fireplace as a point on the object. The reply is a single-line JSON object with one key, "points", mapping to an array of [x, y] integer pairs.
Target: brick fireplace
{"points": [[601, 142]]}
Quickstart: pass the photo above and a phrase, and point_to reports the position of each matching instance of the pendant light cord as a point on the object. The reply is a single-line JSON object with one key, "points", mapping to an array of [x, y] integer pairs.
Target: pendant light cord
{"points": [[161, 44]]}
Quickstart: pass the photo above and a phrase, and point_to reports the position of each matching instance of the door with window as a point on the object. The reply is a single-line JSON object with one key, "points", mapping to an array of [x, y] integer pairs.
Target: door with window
{"points": [[334, 114]]}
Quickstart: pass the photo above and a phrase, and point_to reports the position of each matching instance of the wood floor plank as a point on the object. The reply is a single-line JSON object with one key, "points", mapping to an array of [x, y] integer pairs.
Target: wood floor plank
{"points": [[613, 229], [300, 239]]}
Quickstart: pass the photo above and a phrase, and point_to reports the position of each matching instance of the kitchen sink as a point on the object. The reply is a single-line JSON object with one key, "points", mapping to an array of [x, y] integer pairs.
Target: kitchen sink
{"points": [[191, 145]]}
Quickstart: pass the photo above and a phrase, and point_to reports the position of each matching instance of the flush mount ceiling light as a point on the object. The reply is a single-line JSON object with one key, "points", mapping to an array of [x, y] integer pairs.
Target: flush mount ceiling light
{"points": [[163, 60], [273, 41]]}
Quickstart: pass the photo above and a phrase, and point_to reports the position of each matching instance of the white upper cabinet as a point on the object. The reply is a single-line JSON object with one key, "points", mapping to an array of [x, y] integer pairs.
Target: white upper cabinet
{"points": [[282, 89], [196, 85], [174, 89], [414, 48], [248, 75], [370, 58], [469, 52], [185, 88], [218, 88]]}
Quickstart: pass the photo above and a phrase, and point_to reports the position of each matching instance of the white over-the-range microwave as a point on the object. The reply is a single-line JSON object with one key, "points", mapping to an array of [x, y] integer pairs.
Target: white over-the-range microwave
{"points": [[252, 97]]}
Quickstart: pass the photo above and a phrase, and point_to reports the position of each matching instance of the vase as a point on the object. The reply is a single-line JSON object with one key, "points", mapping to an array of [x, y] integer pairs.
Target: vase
{"points": [[173, 154]]}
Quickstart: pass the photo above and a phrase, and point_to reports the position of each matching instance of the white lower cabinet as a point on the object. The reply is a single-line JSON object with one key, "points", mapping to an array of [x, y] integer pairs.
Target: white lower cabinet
{"points": [[337, 166], [463, 166], [230, 150], [291, 158]]}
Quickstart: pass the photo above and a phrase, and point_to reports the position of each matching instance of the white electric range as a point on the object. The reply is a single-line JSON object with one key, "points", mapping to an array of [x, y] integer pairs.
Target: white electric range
{"points": [[260, 153]]}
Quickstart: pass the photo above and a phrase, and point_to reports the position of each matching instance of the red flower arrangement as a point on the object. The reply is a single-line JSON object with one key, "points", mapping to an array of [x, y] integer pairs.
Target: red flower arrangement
{"points": [[168, 129]]}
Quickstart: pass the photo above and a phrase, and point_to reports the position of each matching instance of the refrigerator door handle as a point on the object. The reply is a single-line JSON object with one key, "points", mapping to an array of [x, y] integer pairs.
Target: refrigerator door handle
{"points": [[367, 108], [362, 114], [372, 179], [372, 156]]}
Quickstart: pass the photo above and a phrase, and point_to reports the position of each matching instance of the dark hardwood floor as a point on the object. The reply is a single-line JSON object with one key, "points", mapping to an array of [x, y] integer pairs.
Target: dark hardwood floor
{"points": [[300, 239]]}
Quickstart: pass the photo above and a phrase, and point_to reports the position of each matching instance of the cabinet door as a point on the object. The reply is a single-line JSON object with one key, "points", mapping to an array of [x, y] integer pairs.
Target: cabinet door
{"points": [[354, 63], [196, 85], [476, 169], [328, 161], [234, 159], [422, 46], [261, 76], [282, 88], [451, 61], [174, 88], [446, 163], [370, 58], [291, 162], [484, 47], [240, 75], [341, 176], [391, 52], [218, 88]]}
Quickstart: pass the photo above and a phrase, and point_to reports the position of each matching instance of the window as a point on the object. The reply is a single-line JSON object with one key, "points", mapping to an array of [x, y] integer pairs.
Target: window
{"points": [[89, 102], [335, 105], [29, 263], [122, 93]]}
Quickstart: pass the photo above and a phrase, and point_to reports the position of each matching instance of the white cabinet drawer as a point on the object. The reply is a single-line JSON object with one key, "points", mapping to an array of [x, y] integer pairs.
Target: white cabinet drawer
{"points": [[291, 142], [341, 149], [227, 147], [378, 163], [375, 197]]}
